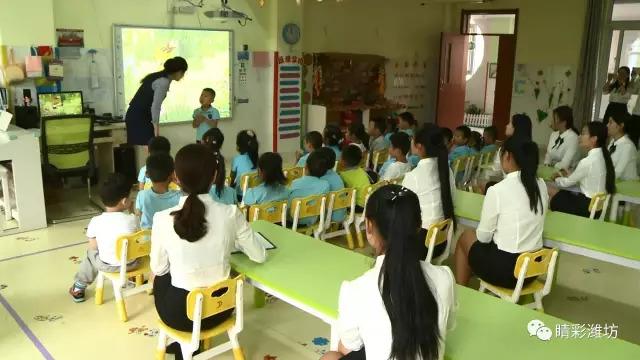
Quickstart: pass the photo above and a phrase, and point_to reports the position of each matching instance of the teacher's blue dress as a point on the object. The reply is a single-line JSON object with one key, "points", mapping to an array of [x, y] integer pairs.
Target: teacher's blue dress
{"points": [[138, 118]]}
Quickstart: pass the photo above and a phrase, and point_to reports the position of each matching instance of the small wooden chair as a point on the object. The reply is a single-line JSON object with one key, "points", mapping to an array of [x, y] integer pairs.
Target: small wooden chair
{"points": [[436, 235], [293, 174], [202, 304], [529, 264], [273, 212], [309, 206], [338, 200], [249, 180], [128, 248], [599, 203], [360, 217], [458, 167]]}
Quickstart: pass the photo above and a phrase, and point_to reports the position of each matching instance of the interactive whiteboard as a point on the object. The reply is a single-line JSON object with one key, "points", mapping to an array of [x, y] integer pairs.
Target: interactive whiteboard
{"points": [[139, 51]]}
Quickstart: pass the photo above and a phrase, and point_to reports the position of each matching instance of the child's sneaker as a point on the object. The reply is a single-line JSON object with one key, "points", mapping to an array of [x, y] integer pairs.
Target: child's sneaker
{"points": [[77, 294]]}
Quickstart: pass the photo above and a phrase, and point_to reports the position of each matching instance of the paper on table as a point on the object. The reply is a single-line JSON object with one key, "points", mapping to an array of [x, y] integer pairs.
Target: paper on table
{"points": [[262, 240], [5, 120]]}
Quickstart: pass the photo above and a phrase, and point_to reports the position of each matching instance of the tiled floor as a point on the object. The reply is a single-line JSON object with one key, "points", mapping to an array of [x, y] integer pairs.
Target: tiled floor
{"points": [[39, 320]]}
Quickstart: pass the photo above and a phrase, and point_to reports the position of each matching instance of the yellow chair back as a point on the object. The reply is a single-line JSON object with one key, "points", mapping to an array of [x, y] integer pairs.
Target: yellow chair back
{"points": [[227, 181], [538, 263], [215, 299], [380, 156], [342, 199], [250, 180], [459, 164], [293, 174], [440, 230], [373, 187], [138, 245], [273, 212], [309, 206], [597, 202]]}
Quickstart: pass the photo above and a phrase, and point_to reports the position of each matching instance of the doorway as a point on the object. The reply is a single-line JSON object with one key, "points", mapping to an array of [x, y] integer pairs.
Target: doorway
{"points": [[476, 71]]}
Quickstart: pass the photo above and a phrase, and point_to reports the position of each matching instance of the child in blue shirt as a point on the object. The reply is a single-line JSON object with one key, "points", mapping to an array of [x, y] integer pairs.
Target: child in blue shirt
{"points": [[475, 142], [310, 184], [160, 170], [273, 187], [407, 123], [333, 138], [461, 140], [247, 161], [489, 138], [206, 116], [219, 191], [158, 144], [312, 141], [334, 180]]}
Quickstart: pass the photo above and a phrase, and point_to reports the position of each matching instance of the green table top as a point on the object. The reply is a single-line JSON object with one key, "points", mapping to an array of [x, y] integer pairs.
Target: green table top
{"points": [[574, 230], [311, 271], [303, 268]]}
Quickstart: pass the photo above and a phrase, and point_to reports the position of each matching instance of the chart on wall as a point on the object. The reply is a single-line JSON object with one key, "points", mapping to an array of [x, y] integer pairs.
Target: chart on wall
{"points": [[143, 50], [289, 89]]}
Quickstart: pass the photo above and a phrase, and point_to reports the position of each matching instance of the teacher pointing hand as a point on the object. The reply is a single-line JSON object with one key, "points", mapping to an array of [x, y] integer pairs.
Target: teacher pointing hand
{"points": [[143, 115]]}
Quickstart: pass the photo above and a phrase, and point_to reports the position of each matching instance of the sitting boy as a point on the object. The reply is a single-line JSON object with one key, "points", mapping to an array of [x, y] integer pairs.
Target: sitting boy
{"points": [[489, 138], [353, 175], [312, 141], [158, 144], [400, 147], [310, 184], [159, 197], [103, 231]]}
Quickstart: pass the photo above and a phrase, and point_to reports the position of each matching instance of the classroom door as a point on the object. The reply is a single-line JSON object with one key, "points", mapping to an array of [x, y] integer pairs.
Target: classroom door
{"points": [[504, 83], [452, 80]]}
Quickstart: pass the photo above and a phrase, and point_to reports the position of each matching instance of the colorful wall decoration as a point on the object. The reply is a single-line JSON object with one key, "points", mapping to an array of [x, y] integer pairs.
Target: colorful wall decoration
{"points": [[287, 99]]}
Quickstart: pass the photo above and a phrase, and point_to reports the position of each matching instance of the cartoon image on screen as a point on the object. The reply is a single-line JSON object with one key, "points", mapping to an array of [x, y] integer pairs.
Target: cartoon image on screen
{"points": [[58, 104]]}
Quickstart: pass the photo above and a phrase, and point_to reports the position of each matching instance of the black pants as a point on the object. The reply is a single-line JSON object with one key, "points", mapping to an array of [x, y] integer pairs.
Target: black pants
{"points": [[171, 304], [571, 203], [356, 355]]}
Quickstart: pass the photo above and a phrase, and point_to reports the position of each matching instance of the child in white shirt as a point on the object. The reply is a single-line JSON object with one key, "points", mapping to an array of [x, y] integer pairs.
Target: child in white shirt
{"points": [[103, 231], [400, 147]]}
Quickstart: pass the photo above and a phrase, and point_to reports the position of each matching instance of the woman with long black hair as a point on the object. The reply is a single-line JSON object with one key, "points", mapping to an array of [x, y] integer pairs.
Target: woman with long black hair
{"points": [[623, 147], [511, 221], [562, 150], [618, 88], [143, 115], [400, 309], [432, 180], [594, 174]]}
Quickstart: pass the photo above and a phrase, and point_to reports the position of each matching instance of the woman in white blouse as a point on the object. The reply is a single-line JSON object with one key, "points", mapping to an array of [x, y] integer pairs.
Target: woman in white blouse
{"points": [[402, 308], [432, 180], [562, 151], [511, 221], [622, 148], [618, 89], [594, 174], [192, 242]]}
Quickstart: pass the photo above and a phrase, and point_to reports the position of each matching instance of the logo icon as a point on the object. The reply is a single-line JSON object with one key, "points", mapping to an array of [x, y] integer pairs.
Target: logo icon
{"points": [[538, 329]]}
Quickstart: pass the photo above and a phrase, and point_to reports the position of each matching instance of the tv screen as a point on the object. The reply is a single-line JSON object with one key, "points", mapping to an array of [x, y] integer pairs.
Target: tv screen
{"points": [[61, 103]]}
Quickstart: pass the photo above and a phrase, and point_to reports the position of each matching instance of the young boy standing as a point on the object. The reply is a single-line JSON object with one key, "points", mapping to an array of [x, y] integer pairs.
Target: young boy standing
{"points": [[103, 231], [206, 116], [400, 147], [159, 197]]}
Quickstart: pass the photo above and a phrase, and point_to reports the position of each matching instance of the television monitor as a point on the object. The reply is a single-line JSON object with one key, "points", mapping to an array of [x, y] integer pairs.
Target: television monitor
{"points": [[60, 103]]}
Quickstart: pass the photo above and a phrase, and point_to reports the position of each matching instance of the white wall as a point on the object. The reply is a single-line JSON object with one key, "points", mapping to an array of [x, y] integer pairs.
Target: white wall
{"points": [[97, 19]]}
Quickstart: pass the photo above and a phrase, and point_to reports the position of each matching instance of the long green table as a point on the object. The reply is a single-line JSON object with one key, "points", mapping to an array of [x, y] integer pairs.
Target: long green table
{"points": [[307, 273], [628, 191], [595, 239]]}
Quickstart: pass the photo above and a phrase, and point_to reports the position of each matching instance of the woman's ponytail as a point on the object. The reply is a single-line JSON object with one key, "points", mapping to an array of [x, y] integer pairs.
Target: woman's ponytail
{"points": [[525, 154]]}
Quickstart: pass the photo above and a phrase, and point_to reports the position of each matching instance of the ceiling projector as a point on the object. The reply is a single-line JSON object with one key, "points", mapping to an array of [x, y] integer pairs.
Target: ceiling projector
{"points": [[226, 12]]}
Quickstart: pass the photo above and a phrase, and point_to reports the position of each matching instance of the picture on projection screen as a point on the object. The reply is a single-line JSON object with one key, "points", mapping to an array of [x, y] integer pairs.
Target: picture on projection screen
{"points": [[208, 53]]}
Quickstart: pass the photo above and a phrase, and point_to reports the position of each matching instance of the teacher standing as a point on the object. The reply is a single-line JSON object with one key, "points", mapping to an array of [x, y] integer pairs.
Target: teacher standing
{"points": [[143, 115], [617, 87]]}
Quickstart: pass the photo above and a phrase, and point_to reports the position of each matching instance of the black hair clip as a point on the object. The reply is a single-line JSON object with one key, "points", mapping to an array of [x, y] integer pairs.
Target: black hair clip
{"points": [[399, 193]]}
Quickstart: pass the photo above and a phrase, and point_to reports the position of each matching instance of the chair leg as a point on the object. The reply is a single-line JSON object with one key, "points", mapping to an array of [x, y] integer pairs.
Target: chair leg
{"points": [[237, 350], [99, 289], [139, 280], [347, 229], [122, 310], [360, 236], [161, 348], [538, 301], [187, 352]]}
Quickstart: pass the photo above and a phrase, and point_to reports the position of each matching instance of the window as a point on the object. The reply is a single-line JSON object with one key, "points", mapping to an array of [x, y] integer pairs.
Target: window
{"points": [[502, 22]]}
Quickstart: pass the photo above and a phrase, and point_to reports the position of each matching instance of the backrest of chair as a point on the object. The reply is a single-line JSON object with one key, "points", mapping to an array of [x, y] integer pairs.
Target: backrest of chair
{"points": [[380, 156], [272, 212], [250, 180], [342, 199], [227, 181], [215, 299], [597, 203], [309, 206], [459, 164], [138, 245], [293, 174], [440, 230], [537, 264], [68, 141]]}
